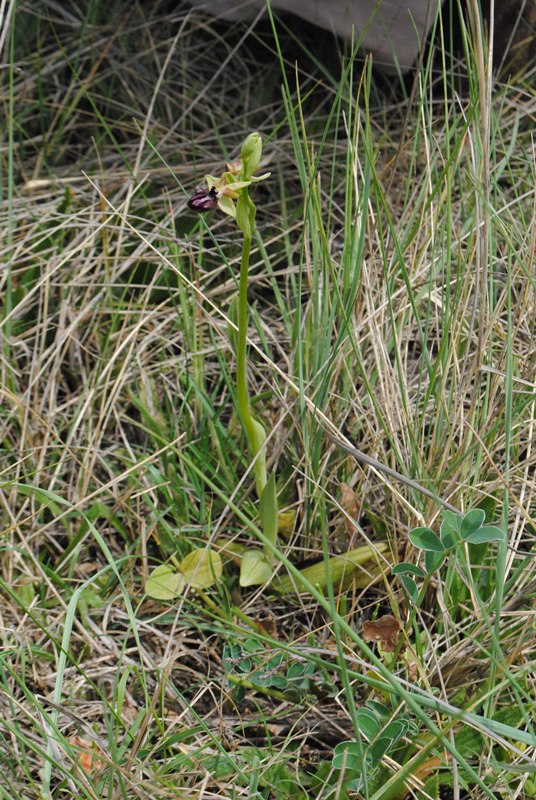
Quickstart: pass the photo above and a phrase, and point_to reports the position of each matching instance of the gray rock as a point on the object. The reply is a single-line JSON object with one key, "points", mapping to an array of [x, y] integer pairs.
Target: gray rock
{"points": [[392, 30]]}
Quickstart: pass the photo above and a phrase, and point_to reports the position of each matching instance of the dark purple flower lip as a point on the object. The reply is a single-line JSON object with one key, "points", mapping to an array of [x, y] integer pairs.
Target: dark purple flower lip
{"points": [[203, 199]]}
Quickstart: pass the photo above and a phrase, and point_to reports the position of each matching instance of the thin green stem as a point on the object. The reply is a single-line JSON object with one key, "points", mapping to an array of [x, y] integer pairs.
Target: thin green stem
{"points": [[241, 365], [253, 429]]}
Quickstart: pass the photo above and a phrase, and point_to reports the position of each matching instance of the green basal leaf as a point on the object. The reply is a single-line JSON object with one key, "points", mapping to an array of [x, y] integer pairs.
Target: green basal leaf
{"points": [[258, 436], [488, 533], [426, 539], [268, 510], [255, 569], [202, 568], [164, 583], [232, 333], [472, 521], [345, 566]]}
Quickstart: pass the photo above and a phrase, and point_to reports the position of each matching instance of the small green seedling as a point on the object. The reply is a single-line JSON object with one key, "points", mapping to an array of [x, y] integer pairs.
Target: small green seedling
{"points": [[360, 761], [455, 532], [248, 667]]}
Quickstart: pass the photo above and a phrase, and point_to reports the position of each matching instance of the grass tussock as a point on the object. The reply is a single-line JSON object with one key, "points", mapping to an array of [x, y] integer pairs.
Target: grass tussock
{"points": [[392, 307]]}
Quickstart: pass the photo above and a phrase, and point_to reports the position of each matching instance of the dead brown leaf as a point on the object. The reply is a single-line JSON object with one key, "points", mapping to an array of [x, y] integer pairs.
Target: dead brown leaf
{"points": [[385, 630], [87, 757], [349, 504]]}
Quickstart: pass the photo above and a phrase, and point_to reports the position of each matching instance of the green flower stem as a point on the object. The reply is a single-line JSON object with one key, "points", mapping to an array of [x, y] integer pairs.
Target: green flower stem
{"points": [[254, 431]]}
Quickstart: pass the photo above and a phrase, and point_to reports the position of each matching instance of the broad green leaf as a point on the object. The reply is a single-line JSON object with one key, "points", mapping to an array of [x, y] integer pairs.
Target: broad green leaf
{"points": [[488, 533], [367, 722], [468, 741], [268, 509], [380, 709], [245, 665], [285, 522], [405, 568], [472, 521], [379, 748], [164, 583], [341, 568], [25, 592], [233, 317], [395, 730], [274, 662], [297, 670], [202, 567], [347, 756], [410, 586], [449, 532], [426, 539], [258, 435], [452, 522], [488, 504], [276, 681], [251, 646], [433, 561], [255, 569]]}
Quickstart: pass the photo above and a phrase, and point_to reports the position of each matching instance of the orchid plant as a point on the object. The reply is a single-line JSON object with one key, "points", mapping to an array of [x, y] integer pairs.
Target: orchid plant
{"points": [[202, 567], [230, 193]]}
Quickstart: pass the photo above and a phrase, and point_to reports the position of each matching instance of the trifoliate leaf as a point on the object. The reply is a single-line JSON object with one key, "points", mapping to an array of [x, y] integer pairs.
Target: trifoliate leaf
{"points": [[426, 539]]}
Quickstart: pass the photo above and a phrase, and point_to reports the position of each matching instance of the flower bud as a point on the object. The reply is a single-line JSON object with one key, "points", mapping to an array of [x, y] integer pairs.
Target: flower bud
{"points": [[251, 154]]}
